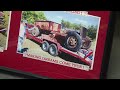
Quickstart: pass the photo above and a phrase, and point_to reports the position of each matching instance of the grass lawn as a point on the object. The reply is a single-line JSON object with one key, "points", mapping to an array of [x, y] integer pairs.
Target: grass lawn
{"points": [[35, 49], [93, 44], [2, 40]]}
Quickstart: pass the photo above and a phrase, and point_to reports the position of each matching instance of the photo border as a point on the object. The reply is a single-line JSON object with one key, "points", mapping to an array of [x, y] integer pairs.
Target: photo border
{"points": [[96, 39], [98, 29], [7, 40], [18, 35]]}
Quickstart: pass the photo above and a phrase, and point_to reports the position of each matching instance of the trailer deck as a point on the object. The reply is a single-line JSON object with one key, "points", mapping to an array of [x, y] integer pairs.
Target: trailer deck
{"points": [[77, 55]]}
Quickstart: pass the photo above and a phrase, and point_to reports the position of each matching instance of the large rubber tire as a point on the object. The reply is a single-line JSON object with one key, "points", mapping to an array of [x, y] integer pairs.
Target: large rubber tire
{"points": [[45, 46], [35, 32], [86, 45], [53, 50], [75, 39]]}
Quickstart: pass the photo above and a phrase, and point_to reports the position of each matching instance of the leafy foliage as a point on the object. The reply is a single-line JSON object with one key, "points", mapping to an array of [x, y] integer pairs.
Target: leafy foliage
{"points": [[67, 24], [5, 20], [32, 16], [92, 30]]}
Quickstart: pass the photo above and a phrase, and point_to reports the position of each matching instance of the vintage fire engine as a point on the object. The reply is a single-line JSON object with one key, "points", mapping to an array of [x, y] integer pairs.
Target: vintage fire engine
{"points": [[55, 40], [70, 39]]}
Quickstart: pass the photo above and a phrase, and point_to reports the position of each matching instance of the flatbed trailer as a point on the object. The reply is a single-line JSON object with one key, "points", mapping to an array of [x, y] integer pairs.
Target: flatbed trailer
{"points": [[60, 48]]}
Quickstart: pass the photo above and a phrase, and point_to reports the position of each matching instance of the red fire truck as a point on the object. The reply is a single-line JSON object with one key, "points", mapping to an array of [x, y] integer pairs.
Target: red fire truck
{"points": [[55, 40]]}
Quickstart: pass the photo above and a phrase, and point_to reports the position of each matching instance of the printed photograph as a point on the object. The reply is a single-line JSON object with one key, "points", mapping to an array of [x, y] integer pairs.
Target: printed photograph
{"points": [[4, 29], [59, 37]]}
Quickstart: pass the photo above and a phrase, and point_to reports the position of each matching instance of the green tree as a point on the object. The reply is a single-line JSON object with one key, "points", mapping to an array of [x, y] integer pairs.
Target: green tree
{"points": [[62, 23], [32, 16], [67, 24], [92, 30], [5, 20]]}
